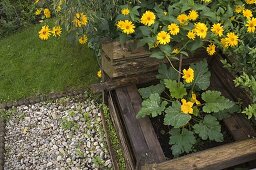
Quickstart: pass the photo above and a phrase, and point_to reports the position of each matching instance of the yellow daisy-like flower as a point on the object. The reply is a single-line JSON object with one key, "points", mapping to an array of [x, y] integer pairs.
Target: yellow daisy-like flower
{"points": [[188, 75], [120, 24], [191, 35], [250, 2], [128, 27], [194, 99], [44, 33], [163, 37], [148, 18], [224, 42], [83, 39], [232, 39], [186, 107], [99, 73], [47, 13], [173, 29], [182, 18], [251, 24], [193, 15], [200, 29], [211, 49], [217, 29], [56, 31], [239, 9], [176, 51], [125, 11], [38, 11], [247, 13], [84, 19]]}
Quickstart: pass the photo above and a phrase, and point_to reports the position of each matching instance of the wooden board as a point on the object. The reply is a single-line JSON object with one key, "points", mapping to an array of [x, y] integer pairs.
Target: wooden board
{"points": [[142, 137], [212, 159], [130, 162]]}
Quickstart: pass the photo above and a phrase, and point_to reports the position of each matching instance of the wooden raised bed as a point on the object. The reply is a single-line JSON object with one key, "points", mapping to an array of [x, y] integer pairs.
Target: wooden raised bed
{"points": [[139, 141]]}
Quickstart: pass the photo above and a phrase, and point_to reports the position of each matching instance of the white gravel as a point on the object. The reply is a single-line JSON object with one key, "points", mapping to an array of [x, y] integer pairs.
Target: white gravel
{"points": [[59, 135]]}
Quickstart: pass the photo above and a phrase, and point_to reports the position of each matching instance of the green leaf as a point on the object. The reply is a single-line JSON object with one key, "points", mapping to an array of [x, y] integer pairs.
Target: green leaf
{"points": [[152, 106], [209, 128], [250, 111], [214, 102], [165, 73], [227, 112], [194, 45], [175, 117], [202, 74], [166, 49], [182, 141], [147, 40], [157, 54], [176, 89], [145, 30], [147, 91]]}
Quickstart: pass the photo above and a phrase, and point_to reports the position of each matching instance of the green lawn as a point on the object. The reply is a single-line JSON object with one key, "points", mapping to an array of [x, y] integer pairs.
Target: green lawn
{"points": [[29, 66]]}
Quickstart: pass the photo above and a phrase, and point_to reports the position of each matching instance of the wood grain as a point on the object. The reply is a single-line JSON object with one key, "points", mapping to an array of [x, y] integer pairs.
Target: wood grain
{"points": [[212, 159]]}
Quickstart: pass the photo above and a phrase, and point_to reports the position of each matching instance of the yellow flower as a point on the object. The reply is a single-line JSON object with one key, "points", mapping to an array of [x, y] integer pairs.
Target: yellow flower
{"points": [[191, 35], [120, 24], [251, 24], [148, 18], [44, 33], [128, 27], [83, 39], [224, 42], [186, 107], [193, 15], [232, 39], [83, 19], [247, 13], [163, 37], [47, 13], [56, 31], [80, 20], [194, 100], [176, 51], [99, 73], [188, 75], [200, 29], [38, 11], [125, 11], [173, 29], [211, 49], [250, 2], [239, 9], [217, 29], [182, 18], [206, 1]]}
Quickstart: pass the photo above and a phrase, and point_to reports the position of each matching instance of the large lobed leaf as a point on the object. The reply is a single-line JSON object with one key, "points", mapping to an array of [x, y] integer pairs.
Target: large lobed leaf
{"points": [[176, 89], [147, 91], [209, 128], [152, 106], [165, 73], [182, 141], [202, 74], [214, 102], [175, 117]]}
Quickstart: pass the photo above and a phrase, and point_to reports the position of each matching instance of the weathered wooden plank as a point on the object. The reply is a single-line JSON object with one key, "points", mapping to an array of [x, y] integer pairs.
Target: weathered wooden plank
{"points": [[226, 78], [147, 128], [130, 162], [132, 126], [123, 81], [212, 159]]}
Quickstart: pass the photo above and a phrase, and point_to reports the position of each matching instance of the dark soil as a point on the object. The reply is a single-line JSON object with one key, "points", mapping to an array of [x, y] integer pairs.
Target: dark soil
{"points": [[162, 132]]}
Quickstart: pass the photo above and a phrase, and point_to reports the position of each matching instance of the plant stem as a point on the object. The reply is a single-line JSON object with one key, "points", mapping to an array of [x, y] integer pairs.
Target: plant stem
{"points": [[180, 67], [172, 65]]}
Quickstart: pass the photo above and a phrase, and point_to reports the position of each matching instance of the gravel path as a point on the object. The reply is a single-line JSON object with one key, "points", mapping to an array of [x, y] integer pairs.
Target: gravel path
{"points": [[59, 135]]}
